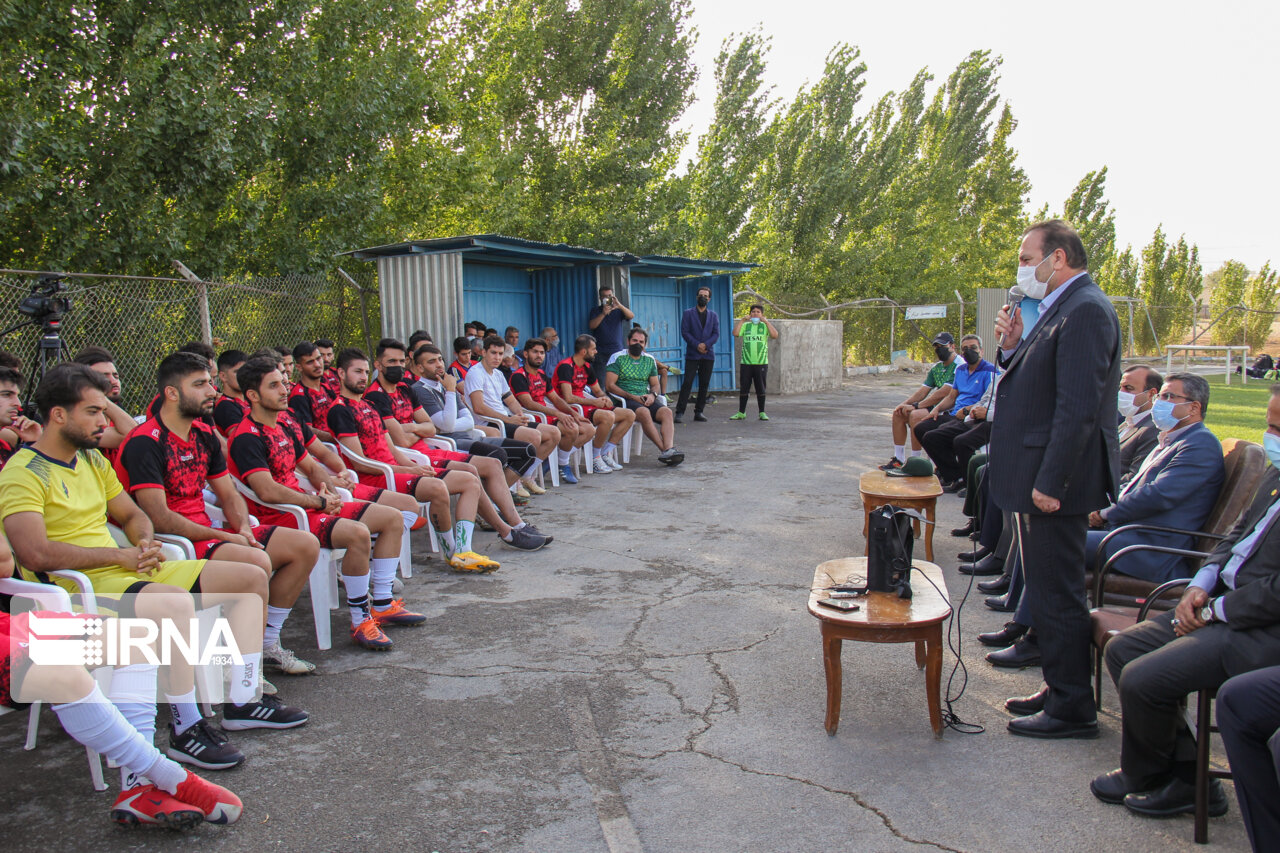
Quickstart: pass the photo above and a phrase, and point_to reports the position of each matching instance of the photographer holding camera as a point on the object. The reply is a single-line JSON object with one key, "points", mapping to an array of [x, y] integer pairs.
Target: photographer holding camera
{"points": [[608, 322]]}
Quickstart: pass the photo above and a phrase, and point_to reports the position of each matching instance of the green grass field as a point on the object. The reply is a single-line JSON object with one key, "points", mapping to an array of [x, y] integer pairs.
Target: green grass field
{"points": [[1237, 411]]}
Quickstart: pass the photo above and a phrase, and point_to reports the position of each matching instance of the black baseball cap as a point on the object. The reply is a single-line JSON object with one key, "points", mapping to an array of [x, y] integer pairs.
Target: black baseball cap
{"points": [[944, 338]]}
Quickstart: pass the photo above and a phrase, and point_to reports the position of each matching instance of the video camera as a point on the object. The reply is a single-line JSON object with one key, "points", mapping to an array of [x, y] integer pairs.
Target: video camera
{"points": [[43, 304]]}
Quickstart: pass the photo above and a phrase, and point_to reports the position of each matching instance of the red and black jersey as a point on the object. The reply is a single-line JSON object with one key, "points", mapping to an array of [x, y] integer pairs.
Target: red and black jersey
{"points": [[276, 450], [152, 457], [458, 370], [400, 404], [361, 419], [228, 412], [577, 375], [6, 450], [533, 382], [311, 407], [330, 382]]}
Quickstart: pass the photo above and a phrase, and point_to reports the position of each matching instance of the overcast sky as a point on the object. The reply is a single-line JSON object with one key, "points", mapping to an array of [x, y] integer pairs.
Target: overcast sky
{"points": [[1178, 99]]}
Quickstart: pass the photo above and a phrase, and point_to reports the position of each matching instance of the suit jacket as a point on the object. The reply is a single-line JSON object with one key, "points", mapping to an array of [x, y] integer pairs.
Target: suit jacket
{"points": [[694, 333], [1178, 489], [1056, 429], [1134, 449], [1255, 602]]}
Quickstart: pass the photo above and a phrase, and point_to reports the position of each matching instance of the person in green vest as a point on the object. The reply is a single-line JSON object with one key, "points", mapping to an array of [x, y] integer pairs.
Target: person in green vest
{"points": [[755, 332]]}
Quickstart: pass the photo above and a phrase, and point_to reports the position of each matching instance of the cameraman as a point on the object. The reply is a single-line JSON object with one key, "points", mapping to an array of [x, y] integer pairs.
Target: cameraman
{"points": [[609, 322]]}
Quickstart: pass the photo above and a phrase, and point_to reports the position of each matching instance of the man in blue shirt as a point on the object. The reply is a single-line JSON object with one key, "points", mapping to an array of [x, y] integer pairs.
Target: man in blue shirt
{"points": [[947, 420], [609, 322]]}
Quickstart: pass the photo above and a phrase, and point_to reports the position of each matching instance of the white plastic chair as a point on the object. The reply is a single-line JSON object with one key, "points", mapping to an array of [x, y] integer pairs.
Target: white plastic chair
{"points": [[406, 566], [53, 597]]}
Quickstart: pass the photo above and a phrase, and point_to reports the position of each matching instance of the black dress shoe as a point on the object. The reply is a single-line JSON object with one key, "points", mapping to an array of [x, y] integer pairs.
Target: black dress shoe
{"points": [[1041, 725], [1024, 652], [999, 586], [962, 492], [988, 565], [1113, 787], [698, 416], [1005, 637], [1178, 797], [964, 531], [1000, 604], [678, 419], [1025, 706], [973, 555], [953, 486]]}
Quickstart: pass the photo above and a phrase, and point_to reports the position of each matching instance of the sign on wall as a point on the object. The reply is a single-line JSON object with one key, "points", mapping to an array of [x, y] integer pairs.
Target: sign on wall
{"points": [[926, 312]]}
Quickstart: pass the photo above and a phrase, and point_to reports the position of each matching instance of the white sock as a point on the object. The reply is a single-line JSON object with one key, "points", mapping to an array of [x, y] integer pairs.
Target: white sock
{"points": [[410, 519], [520, 525], [916, 453], [462, 533], [563, 456], [184, 710], [446, 542], [357, 587], [99, 725], [275, 621], [382, 573], [245, 679], [609, 447], [900, 452], [133, 692], [596, 451]]}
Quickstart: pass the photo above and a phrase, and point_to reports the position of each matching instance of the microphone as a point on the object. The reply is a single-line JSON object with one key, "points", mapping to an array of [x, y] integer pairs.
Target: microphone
{"points": [[1016, 295]]}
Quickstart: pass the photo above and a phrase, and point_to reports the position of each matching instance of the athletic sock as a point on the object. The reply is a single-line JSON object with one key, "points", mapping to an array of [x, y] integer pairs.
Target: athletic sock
{"points": [[900, 452], [596, 451], [184, 710], [275, 621], [410, 519], [520, 525], [916, 453], [382, 574], [462, 533], [609, 447], [100, 725], [357, 587], [446, 542], [245, 678], [133, 692], [563, 456]]}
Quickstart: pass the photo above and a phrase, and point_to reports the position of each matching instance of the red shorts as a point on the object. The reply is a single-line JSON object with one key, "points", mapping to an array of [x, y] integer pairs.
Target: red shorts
{"points": [[361, 492], [406, 484], [439, 457], [321, 524], [206, 547], [588, 411]]}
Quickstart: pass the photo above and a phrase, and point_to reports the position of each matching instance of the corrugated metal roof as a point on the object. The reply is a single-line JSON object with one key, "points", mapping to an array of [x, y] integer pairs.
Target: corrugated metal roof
{"points": [[497, 248], [677, 266]]}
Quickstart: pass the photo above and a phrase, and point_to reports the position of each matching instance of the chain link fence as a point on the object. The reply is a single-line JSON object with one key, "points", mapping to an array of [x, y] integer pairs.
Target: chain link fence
{"points": [[142, 320]]}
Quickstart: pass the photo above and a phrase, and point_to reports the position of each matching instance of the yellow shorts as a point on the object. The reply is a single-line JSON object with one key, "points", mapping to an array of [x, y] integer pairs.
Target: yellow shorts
{"points": [[114, 580]]}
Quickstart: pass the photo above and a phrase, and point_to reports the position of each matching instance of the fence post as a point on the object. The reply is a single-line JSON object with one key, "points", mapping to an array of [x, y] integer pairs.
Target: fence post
{"points": [[202, 293], [364, 310]]}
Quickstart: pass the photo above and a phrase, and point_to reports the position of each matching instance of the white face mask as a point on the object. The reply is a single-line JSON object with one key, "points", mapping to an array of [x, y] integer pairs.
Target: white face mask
{"points": [[1032, 286], [1125, 403]]}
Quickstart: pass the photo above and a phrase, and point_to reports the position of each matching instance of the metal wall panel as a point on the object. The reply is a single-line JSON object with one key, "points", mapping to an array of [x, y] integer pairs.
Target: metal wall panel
{"points": [[421, 292], [990, 300], [563, 298], [657, 301], [499, 296]]}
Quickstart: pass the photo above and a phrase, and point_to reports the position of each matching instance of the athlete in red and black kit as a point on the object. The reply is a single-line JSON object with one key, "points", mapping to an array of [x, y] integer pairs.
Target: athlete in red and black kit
{"points": [[15, 430], [329, 374], [310, 398], [574, 377], [358, 426], [266, 453], [230, 408], [103, 362], [536, 393], [164, 465]]}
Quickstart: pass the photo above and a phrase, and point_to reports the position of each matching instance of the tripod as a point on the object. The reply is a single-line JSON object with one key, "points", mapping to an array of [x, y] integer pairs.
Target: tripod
{"points": [[49, 350]]}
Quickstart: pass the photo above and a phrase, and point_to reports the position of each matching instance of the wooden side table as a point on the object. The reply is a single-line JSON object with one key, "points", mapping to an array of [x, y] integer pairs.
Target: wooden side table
{"points": [[884, 618], [877, 488]]}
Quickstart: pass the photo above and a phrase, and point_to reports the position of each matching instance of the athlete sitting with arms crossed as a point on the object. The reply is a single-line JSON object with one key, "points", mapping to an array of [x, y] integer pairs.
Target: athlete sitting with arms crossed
{"points": [[574, 377], [536, 393]]}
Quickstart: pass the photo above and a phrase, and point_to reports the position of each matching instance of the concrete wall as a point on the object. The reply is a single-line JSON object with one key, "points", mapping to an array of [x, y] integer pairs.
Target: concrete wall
{"points": [[806, 357]]}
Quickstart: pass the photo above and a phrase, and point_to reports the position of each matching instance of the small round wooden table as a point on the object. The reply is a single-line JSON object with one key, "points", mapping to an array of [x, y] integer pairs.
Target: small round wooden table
{"points": [[877, 488], [884, 618]]}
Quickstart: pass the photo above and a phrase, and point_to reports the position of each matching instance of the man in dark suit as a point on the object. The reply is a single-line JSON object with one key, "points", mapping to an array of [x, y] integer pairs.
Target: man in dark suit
{"points": [[700, 328], [1227, 623], [1139, 386], [1058, 458], [1248, 713]]}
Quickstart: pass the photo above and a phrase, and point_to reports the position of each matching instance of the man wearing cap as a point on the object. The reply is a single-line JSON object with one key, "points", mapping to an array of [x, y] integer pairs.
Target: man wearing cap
{"points": [[916, 408], [947, 420]]}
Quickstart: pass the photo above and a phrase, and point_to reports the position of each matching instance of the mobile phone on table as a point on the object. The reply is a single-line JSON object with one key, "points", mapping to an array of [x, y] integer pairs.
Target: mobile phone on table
{"points": [[841, 604]]}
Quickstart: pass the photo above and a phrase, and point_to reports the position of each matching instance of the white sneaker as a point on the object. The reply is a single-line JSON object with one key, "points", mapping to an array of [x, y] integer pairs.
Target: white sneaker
{"points": [[600, 466], [286, 661], [611, 462]]}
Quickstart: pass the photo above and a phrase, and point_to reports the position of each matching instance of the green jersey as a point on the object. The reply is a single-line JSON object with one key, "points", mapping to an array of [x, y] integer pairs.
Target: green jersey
{"points": [[633, 373], [755, 342], [941, 374]]}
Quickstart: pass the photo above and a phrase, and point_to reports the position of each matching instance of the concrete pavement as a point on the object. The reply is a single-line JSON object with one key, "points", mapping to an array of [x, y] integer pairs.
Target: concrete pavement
{"points": [[650, 681]]}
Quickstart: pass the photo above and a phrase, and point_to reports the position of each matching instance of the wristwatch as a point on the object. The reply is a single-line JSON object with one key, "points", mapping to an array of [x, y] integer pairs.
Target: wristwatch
{"points": [[1207, 614]]}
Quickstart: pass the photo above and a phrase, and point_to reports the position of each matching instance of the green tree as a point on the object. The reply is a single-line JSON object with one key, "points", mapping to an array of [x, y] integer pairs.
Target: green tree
{"points": [[1089, 211], [1226, 295], [1261, 300], [1171, 281]]}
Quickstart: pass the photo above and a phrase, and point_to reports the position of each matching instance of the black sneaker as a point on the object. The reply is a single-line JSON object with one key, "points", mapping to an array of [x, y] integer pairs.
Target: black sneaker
{"points": [[203, 745], [270, 713], [892, 465]]}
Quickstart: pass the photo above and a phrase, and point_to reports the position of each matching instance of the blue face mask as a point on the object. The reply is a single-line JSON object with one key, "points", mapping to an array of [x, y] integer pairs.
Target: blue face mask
{"points": [[1162, 414], [1030, 313], [1271, 444]]}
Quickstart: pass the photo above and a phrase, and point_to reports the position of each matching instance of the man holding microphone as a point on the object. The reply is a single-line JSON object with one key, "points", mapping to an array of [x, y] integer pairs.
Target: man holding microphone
{"points": [[1056, 458]]}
